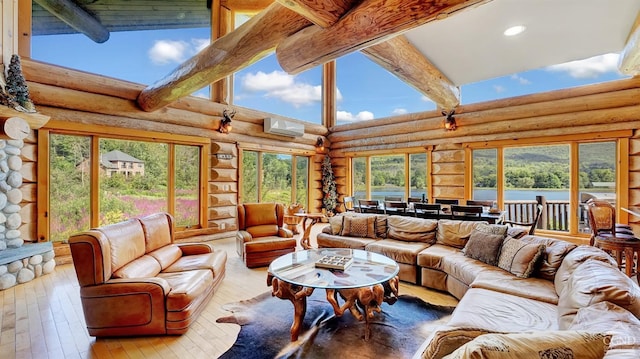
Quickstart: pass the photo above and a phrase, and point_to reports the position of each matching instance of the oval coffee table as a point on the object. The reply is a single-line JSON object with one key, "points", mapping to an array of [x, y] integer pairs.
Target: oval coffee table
{"points": [[366, 282]]}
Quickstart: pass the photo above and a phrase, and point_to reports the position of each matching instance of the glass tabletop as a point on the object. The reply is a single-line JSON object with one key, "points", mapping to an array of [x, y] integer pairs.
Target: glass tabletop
{"points": [[366, 269]]}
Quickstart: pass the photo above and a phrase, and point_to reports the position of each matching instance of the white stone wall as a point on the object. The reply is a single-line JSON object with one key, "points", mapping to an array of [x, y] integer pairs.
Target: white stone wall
{"points": [[10, 194]]}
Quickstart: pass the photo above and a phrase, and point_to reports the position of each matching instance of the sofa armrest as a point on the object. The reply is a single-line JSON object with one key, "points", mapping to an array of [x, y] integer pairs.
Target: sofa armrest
{"points": [[285, 233], [244, 236], [189, 249]]}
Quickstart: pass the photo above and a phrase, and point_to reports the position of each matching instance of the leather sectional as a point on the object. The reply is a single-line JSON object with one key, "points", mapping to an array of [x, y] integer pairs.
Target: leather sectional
{"points": [[568, 288]]}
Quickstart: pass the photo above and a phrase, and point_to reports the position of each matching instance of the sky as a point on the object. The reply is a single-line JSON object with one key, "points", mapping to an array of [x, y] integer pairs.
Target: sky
{"points": [[365, 90]]}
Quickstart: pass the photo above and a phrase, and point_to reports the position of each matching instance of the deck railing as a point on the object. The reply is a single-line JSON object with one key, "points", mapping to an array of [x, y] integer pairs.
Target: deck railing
{"points": [[555, 213]]}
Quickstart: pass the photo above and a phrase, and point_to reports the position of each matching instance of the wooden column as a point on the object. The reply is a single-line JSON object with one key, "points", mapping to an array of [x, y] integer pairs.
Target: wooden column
{"points": [[9, 30], [221, 24]]}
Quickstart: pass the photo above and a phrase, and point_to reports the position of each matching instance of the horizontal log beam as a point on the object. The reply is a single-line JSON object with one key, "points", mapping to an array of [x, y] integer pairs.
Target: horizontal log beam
{"points": [[323, 13], [246, 6], [369, 23], [76, 17], [629, 62], [238, 49], [401, 58]]}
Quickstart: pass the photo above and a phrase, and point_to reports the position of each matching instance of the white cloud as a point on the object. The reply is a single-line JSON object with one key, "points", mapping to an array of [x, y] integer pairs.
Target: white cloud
{"points": [[426, 99], [169, 51], [589, 68], [280, 85], [499, 88], [345, 116], [399, 111], [520, 79]]}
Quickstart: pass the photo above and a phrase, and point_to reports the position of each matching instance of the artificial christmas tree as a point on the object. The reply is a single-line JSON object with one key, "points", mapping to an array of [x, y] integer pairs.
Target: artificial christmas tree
{"points": [[16, 86], [329, 193]]}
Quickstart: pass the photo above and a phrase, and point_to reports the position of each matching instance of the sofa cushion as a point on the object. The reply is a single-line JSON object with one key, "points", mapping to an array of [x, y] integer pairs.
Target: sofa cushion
{"points": [[214, 261], [519, 257], [260, 214], [500, 312], [582, 290], [455, 233], [505, 282], [263, 230], [484, 247], [432, 256], [167, 255], [558, 344], [335, 224], [411, 229], [399, 251], [157, 231], [463, 268], [446, 340], [186, 287], [574, 259], [326, 240], [126, 241], [143, 267], [359, 226], [606, 317], [554, 252]]}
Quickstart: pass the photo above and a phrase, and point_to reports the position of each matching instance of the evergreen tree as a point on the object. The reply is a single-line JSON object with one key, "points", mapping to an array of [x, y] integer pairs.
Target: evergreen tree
{"points": [[329, 192], [17, 85]]}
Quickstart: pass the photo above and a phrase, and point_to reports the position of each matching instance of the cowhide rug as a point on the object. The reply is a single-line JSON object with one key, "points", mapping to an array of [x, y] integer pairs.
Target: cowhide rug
{"points": [[396, 332]]}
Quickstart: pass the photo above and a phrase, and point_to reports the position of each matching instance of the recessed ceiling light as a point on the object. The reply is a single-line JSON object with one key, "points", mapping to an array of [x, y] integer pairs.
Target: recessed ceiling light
{"points": [[514, 30]]}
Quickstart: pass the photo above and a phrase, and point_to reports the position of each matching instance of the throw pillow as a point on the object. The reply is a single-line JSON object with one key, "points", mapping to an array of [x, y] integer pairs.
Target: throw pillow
{"points": [[381, 226], [492, 229], [363, 227], [543, 345], [444, 342], [335, 223], [484, 247], [518, 257]]}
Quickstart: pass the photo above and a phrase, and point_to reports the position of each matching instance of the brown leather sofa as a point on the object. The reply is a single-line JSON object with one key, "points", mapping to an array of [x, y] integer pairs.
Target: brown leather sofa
{"points": [[261, 236], [571, 288], [134, 280]]}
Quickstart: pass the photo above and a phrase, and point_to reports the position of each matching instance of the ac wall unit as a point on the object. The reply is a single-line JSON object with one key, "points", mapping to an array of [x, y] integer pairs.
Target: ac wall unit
{"points": [[282, 127]]}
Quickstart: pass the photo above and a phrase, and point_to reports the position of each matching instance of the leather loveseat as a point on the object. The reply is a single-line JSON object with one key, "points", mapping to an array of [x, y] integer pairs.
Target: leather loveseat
{"points": [[134, 280], [536, 285]]}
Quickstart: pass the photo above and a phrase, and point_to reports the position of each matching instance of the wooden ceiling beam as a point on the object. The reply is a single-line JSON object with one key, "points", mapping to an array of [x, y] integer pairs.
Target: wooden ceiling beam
{"points": [[76, 17], [369, 23], [401, 58], [246, 6], [323, 13], [629, 63], [250, 42]]}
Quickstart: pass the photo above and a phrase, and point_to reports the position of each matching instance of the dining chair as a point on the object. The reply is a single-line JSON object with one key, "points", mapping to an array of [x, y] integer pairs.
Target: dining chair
{"points": [[447, 201], [395, 207], [369, 205], [532, 225], [473, 202], [349, 204], [466, 213], [393, 198], [427, 210], [602, 219]]}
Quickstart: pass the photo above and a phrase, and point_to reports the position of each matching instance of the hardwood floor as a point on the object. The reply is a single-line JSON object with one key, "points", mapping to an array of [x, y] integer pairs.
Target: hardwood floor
{"points": [[43, 318]]}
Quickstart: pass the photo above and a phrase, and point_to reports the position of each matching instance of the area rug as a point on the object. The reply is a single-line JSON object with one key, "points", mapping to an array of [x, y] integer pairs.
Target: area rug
{"points": [[396, 332]]}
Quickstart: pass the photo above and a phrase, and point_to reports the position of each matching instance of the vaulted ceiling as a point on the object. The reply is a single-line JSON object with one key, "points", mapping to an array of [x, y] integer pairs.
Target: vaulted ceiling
{"points": [[434, 46]]}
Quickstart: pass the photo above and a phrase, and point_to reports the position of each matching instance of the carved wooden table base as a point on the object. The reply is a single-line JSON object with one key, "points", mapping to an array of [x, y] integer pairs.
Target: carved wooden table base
{"points": [[369, 298]]}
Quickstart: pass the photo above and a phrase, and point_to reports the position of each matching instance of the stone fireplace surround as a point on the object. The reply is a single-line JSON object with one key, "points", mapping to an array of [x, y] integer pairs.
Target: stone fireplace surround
{"points": [[19, 262]]}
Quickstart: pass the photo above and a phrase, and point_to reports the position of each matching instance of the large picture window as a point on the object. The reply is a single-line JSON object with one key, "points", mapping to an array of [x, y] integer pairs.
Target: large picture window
{"points": [[562, 177], [402, 176], [125, 178]]}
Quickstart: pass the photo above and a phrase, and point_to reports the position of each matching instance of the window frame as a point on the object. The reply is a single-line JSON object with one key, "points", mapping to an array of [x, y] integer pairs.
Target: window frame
{"points": [[95, 133], [621, 139]]}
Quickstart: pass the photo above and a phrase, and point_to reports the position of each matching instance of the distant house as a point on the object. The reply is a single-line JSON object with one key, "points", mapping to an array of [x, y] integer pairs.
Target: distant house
{"points": [[117, 162]]}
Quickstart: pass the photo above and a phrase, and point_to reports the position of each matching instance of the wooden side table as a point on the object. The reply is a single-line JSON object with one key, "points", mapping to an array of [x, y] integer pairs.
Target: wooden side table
{"points": [[292, 222], [619, 248], [313, 218]]}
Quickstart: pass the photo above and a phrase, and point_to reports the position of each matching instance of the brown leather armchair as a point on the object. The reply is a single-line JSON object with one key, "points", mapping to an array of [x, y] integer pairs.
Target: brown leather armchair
{"points": [[261, 235]]}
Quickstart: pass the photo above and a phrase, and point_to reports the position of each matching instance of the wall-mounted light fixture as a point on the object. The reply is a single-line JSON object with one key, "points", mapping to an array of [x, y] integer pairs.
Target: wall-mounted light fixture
{"points": [[320, 144], [449, 120], [225, 122]]}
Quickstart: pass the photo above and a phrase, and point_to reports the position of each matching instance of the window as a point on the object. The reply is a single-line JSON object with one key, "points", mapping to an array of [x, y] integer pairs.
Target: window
{"points": [[418, 175], [270, 177], [78, 201], [560, 176], [388, 176], [359, 174]]}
